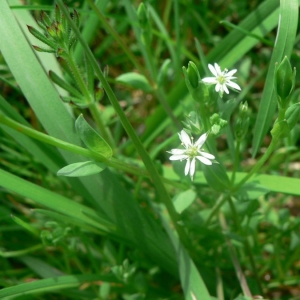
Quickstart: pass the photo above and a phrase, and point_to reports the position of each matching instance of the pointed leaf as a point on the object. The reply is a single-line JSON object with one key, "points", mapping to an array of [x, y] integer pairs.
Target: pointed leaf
{"points": [[183, 200], [91, 138], [79, 169]]}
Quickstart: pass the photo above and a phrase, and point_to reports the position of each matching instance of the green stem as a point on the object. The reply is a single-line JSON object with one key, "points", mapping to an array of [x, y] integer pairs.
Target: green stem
{"points": [[238, 269], [89, 98], [236, 160], [158, 183], [257, 166], [118, 39]]}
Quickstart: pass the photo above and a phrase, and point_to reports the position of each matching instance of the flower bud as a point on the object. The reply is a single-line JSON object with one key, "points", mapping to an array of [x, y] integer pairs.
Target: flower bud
{"points": [[192, 77], [292, 115], [284, 82], [242, 122], [217, 123]]}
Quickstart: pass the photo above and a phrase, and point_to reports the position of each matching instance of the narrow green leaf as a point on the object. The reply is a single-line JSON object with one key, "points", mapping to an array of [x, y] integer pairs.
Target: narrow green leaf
{"points": [[52, 284], [79, 169], [91, 138], [136, 81], [40, 37], [287, 28], [64, 85]]}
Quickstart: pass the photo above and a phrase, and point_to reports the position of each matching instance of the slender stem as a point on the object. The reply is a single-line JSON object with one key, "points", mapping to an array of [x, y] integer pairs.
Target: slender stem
{"points": [[257, 166], [118, 39], [236, 160], [238, 269], [89, 98], [158, 183], [103, 129]]}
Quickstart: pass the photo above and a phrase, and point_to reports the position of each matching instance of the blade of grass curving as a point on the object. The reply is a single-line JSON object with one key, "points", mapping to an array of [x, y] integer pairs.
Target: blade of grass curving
{"points": [[52, 284], [45, 154], [287, 28], [162, 29], [103, 191], [54, 201]]}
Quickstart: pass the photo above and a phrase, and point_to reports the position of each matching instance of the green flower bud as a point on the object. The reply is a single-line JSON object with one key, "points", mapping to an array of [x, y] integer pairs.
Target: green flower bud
{"points": [[217, 123], [242, 122], [292, 115], [284, 82], [192, 77], [142, 16], [193, 123], [280, 130]]}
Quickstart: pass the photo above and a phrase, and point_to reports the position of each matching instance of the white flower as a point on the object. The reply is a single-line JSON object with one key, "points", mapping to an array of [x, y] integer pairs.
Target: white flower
{"points": [[221, 79], [191, 152]]}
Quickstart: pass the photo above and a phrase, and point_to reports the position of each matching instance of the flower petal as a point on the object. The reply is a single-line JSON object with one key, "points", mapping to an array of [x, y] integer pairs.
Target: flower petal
{"points": [[212, 69], [177, 151], [204, 160], [225, 88], [230, 73], [207, 155], [192, 167], [218, 69], [187, 167], [178, 157], [218, 87], [184, 137], [210, 80], [233, 85], [201, 140]]}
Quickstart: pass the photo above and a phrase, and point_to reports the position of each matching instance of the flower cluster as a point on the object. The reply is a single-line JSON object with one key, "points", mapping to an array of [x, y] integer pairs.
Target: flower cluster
{"points": [[221, 79], [191, 152]]}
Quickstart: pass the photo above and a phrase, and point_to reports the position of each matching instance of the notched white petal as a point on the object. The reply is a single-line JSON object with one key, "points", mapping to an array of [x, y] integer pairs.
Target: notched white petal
{"points": [[210, 80], [177, 151], [212, 69], [230, 73], [204, 160], [218, 69], [178, 157], [234, 85], [187, 167], [185, 138], [192, 167], [207, 155], [201, 140]]}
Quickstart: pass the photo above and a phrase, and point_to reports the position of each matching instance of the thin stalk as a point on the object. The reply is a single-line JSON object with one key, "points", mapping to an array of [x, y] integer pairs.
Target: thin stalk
{"points": [[154, 175], [257, 166], [236, 160], [238, 269], [89, 98], [118, 39]]}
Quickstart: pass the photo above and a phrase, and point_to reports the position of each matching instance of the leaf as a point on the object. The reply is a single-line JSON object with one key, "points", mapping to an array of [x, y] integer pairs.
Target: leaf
{"points": [[183, 200], [136, 81], [287, 28], [79, 169], [91, 138]]}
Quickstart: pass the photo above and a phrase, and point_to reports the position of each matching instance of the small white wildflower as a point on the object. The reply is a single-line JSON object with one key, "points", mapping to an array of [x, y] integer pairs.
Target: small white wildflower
{"points": [[221, 79], [191, 152]]}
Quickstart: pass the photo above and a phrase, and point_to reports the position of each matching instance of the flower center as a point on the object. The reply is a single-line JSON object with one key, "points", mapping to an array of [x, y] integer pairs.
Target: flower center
{"points": [[192, 151], [222, 78]]}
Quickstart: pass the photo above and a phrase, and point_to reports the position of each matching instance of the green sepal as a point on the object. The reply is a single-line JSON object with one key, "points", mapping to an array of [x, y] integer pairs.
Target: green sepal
{"points": [[193, 123], [280, 130], [58, 15], [41, 37], [284, 82], [45, 19], [292, 115], [39, 49], [81, 169], [91, 138], [64, 85], [192, 76], [78, 102], [217, 123]]}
